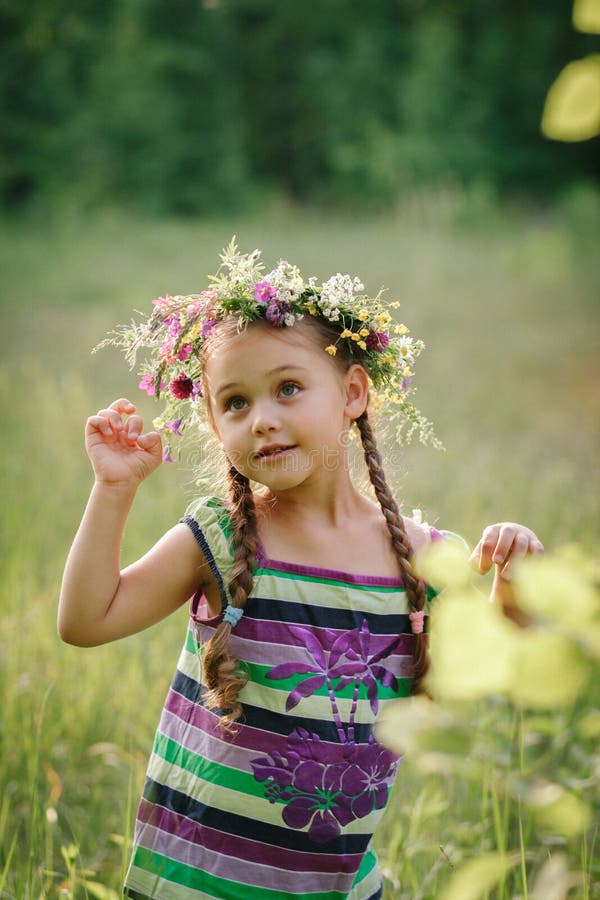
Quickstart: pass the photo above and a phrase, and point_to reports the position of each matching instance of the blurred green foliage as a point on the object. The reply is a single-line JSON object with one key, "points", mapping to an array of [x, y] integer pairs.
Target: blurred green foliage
{"points": [[190, 107], [516, 717]]}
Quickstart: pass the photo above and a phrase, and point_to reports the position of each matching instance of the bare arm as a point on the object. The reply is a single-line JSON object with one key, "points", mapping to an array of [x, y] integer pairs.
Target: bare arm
{"points": [[98, 601]]}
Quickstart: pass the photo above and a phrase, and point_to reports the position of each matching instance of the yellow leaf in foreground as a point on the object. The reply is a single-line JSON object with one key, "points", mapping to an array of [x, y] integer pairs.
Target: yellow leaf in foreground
{"points": [[445, 564], [586, 16], [558, 590], [472, 648], [549, 671], [479, 876], [572, 109]]}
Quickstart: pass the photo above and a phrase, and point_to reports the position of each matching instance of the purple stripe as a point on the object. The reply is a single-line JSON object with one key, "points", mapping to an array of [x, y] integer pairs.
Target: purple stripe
{"points": [[246, 738], [244, 849], [206, 745], [317, 572], [267, 633]]}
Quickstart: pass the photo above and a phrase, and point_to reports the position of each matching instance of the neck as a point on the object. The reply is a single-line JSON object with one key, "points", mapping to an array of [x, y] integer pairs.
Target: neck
{"points": [[328, 503]]}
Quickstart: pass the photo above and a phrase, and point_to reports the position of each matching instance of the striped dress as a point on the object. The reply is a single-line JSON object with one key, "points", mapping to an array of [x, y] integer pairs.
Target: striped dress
{"points": [[286, 807]]}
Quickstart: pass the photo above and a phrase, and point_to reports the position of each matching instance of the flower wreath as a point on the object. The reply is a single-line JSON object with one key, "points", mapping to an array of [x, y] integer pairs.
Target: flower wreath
{"points": [[178, 326]]}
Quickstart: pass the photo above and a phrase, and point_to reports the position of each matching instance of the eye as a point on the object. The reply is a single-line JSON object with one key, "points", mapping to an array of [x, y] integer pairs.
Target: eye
{"points": [[235, 404], [289, 389]]}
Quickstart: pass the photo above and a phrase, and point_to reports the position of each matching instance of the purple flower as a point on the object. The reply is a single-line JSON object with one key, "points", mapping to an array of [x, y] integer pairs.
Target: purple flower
{"points": [[368, 777], [173, 427], [197, 389], [166, 456], [276, 311], [326, 796], [363, 667], [264, 292], [182, 386], [377, 340], [208, 327]]}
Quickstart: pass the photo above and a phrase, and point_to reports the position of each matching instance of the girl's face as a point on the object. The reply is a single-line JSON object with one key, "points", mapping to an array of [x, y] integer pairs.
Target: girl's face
{"points": [[280, 406]]}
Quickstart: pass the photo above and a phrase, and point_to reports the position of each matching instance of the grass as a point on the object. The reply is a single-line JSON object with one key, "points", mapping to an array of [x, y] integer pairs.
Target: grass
{"points": [[506, 303]]}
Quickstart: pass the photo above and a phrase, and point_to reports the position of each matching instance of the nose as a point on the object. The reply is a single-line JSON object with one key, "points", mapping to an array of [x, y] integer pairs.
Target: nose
{"points": [[266, 418]]}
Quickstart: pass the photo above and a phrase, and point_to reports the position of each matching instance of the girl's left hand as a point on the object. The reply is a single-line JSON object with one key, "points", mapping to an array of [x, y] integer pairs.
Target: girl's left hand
{"points": [[504, 544]]}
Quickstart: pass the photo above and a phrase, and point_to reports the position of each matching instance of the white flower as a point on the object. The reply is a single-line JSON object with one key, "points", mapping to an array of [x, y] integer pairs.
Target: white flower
{"points": [[339, 290], [286, 280]]}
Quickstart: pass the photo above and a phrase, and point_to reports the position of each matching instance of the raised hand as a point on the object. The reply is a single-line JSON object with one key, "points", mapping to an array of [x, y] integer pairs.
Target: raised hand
{"points": [[118, 451], [504, 544]]}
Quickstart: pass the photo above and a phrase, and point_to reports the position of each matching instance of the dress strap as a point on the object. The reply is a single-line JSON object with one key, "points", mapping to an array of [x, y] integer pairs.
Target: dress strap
{"points": [[209, 522]]}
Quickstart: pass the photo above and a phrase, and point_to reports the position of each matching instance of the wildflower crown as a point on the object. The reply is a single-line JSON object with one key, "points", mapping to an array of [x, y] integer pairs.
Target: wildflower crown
{"points": [[175, 331]]}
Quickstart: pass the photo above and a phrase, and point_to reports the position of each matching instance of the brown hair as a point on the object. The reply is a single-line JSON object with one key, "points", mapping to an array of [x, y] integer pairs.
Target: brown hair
{"points": [[222, 675]]}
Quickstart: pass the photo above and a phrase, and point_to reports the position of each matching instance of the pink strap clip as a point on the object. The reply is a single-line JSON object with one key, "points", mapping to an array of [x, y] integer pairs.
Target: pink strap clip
{"points": [[416, 621]]}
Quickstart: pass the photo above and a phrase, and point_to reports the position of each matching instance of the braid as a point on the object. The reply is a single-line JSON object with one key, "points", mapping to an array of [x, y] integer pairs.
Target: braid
{"points": [[220, 669], [415, 588]]}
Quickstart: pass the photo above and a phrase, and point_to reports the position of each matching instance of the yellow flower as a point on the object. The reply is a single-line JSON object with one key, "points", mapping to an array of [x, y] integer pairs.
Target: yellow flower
{"points": [[363, 315], [406, 372], [346, 333], [363, 332], [362, 345], [312, 309], [395, 304], [332, 350], [193, 333], [158, 423], [355, 337], [383, 318], [400, 329]]}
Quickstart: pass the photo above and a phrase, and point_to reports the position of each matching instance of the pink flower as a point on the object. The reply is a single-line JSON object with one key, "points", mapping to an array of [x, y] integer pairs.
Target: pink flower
{"points": [[166, 350], [377, 340], [162, 303], [148, 384], [264, 292], [184, 352], [182, 386]]}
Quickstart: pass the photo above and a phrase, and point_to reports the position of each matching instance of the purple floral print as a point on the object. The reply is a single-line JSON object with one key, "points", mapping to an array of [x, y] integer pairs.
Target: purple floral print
{"points": [[323, 795]]}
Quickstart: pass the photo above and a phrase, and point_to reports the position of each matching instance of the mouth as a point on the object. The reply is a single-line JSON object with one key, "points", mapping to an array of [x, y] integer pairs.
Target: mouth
{"points": [[274, 452]]}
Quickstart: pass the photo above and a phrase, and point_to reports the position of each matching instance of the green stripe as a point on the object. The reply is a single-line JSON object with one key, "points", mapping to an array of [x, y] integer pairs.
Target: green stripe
{"points": [[320, 579], [369, 861], [196, 879], [258, 675], [200, 767]]}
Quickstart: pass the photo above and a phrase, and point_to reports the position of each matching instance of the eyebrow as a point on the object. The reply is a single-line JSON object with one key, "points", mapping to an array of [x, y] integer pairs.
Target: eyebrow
{"points": [[285, 367]]}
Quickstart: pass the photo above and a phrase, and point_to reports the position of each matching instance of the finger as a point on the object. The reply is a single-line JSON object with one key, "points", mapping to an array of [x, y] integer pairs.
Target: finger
{"points": [[535, 546], [150, 441], [133, 428], [98, 423], [506, 538], [484, 550], [123, 405], [518, 552], [113, 418]]}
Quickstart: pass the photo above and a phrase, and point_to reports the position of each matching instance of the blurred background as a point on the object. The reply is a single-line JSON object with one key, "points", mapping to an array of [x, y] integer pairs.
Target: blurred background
{"points": [[399, 140]]}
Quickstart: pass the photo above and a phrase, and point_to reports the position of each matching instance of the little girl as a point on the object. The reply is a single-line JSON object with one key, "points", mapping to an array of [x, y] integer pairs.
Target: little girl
{"points": [[306, 616]]}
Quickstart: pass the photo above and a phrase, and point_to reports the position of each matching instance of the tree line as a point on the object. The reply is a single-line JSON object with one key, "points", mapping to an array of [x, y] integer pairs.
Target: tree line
{"points": [[192, 107]]}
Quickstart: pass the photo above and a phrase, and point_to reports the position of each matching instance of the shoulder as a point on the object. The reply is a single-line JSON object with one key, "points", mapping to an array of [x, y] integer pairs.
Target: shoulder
{"points": [[419, 534]]}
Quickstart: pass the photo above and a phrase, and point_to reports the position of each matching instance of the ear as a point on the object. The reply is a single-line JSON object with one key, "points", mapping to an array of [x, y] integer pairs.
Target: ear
{"points": [[356, 382]]}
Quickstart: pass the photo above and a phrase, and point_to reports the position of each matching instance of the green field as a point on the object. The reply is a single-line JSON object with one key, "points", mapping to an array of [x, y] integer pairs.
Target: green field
{"points": [[507, 303]]}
